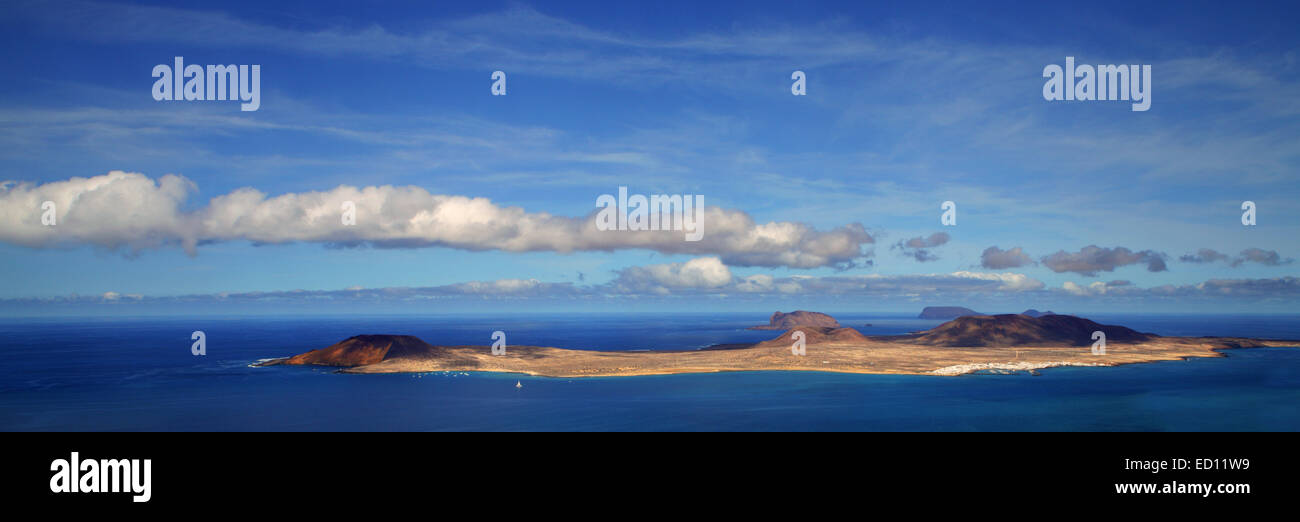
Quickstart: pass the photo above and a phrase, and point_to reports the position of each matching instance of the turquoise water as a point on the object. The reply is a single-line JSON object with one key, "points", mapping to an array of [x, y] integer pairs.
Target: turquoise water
{"points": [[138, 374]]}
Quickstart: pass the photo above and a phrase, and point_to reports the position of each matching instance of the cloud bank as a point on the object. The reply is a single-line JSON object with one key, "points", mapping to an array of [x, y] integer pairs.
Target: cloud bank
{"points": [[708, 276], [705, 276], [130, 211]]}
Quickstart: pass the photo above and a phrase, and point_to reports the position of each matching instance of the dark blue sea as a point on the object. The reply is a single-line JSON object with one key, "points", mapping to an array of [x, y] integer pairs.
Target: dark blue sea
{"points": [[109, 374]]}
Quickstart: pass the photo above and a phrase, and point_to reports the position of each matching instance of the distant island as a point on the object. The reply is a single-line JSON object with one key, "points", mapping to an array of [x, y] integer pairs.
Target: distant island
{"points": [[945, 312], [1007, 342], [797, 318], [953, 312]]}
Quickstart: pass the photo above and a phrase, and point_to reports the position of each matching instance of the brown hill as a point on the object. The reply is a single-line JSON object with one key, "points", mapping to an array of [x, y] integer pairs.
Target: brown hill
{"points": [[364, 349], [1022, 330], [818, 335], [798, 318]]}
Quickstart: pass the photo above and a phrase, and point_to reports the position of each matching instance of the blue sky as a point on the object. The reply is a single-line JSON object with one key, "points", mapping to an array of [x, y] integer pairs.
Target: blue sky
{"points": [[908, 105]]}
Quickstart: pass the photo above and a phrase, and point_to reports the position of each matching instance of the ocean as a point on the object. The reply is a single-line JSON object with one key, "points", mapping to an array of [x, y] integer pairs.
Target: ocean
{"points": [[137, 374]]}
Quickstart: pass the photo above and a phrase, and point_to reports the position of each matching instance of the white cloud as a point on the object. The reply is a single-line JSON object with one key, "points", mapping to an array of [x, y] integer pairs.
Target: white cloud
{"points": [[131, 211], [699, 273], [115, 210], [1094, 288], [756, 283], [1009, 281]]}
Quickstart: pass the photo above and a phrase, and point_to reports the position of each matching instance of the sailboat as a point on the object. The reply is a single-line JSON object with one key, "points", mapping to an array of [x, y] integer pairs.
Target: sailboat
{"points": [[519, 384]]}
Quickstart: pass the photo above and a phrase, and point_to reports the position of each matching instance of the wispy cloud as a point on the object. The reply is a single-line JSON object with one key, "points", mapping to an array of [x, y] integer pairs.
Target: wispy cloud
{"points": [[1249, 255], [918, 248], [708, 276]]}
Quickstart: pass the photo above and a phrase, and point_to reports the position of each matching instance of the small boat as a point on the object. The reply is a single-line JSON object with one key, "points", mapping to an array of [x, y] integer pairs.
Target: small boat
{"points": [[519, 384]]}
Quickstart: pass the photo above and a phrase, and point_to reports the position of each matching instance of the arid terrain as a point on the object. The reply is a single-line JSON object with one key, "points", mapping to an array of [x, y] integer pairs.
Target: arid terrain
{"points": [[967, 344]]}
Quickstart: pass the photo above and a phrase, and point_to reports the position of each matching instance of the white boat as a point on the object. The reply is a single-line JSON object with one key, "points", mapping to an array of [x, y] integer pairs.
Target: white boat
{"points": [[519, 384]]}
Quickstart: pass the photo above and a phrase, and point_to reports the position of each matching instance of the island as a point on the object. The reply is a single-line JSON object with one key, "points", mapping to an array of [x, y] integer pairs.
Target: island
{"points": [[797, 318], [1009, 342], [1035, 313], [945, 312]]}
